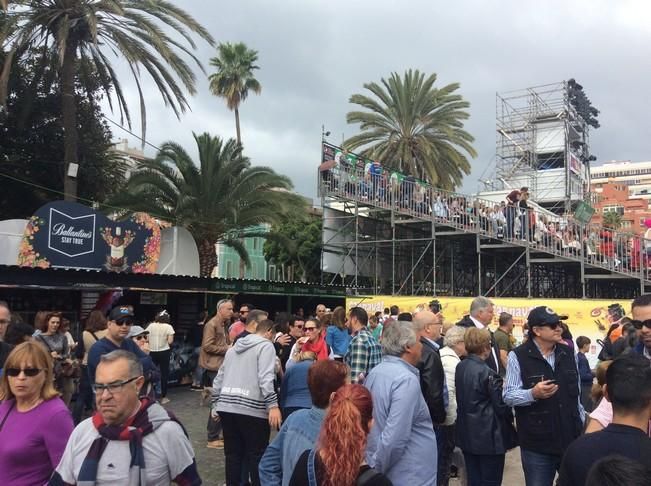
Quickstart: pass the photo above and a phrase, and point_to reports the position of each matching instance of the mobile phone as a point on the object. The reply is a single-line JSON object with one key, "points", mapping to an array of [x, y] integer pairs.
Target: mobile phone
{"points": [[551, 381]]}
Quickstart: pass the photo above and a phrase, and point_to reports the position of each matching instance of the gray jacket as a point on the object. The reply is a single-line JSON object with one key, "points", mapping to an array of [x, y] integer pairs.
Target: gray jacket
{"points": [[245, 382]]}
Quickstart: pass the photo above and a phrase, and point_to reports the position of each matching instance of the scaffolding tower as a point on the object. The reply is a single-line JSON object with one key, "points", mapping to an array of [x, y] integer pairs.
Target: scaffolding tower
{"points": [[543, 144]]}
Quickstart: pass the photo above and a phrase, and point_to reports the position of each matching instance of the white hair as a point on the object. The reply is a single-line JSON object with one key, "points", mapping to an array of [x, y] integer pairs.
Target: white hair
{"points": [[396, 337], [479, 303], [454, 335]]}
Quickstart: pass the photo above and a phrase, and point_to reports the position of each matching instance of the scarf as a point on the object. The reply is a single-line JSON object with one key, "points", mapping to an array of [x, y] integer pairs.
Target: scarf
{"points": [[149, 417], [320, 348]]}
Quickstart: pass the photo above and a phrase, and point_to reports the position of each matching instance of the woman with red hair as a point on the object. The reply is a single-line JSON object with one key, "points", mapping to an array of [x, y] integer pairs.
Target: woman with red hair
{"points": [[338, 459]]}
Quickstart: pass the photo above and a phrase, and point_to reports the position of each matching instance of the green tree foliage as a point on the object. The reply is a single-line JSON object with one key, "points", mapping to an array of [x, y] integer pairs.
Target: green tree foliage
{"points": [[32, 148], [612, 219], [217, 198], [412, 126], [234, 78], [296, 245], [86, 35]]}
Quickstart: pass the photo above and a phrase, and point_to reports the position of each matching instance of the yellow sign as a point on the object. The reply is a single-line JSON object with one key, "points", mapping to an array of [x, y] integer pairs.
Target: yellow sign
{"points": [[585, 317]]}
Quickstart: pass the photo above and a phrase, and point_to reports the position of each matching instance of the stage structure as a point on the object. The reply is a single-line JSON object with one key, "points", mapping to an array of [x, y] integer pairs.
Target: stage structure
{"points": [[543, 144], [387, 233]]}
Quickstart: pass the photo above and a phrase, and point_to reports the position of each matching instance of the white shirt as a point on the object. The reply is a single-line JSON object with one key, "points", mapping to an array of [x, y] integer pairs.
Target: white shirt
{"points": [[167, 453], [158, 333]]}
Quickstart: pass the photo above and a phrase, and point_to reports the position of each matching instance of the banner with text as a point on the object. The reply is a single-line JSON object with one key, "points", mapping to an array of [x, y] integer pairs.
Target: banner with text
{"points": [[69, 235], [585, 317]]}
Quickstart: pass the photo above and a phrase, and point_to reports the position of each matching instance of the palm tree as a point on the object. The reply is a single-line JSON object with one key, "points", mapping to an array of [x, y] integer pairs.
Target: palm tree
{"points": [[234, 77], [411, 126], [83, 34], [612, 220], [216, 199]]}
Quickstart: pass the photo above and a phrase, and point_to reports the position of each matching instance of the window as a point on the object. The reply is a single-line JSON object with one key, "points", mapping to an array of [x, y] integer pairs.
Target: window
{"points": [[229, 269], [255, 243]]}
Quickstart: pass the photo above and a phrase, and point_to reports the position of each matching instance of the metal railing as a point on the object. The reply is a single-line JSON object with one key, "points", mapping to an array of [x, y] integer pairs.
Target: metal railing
{"points": [[559, 235]]}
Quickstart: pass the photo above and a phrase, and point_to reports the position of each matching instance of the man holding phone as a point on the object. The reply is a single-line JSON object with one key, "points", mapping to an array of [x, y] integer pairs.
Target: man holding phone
{"points": [[542, 384]]}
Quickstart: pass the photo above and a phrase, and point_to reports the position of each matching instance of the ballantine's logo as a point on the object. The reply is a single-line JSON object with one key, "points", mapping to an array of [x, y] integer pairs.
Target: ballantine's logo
{"points": [[71, 236], [60, 229]]}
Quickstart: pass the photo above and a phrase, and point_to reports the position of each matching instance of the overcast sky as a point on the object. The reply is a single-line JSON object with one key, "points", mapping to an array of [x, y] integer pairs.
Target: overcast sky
{"points": [[314, 54]]}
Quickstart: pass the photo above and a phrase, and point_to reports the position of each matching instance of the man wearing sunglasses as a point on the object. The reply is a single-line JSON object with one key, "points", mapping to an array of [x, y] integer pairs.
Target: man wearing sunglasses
{"points": [[129, 440], [542, 384], [641, 311], [119, 324]]}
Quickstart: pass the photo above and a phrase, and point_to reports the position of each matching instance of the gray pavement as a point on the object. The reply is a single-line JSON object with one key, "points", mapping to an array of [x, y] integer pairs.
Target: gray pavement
{"points": [[186, 406]]}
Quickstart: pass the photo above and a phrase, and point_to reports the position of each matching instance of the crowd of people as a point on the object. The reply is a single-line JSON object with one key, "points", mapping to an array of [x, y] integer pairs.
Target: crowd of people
{"points": [[514, 218], [393, 398]]}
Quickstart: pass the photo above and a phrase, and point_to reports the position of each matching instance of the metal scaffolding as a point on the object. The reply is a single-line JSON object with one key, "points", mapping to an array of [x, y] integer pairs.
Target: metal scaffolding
{"points": [[542, 143], [386, 235]]}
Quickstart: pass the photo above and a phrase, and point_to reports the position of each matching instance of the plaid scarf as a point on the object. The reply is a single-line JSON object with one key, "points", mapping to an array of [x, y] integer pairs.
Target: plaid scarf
{"points": [[149, 417]]}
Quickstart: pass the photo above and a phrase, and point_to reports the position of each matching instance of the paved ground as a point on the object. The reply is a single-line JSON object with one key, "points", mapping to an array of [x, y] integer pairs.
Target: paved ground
{"points": [[186, 405]]}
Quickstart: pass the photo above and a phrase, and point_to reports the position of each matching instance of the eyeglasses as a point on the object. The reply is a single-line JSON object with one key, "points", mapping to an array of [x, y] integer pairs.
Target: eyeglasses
{"points": [[31, 372], [123, 323], [640, 324], [310, 329], [99, 388], [299, 326], [141, 338]]}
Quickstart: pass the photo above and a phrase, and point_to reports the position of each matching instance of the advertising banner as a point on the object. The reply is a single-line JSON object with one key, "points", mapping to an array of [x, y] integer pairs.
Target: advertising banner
{"points": [[585, 317], [69, 235]]}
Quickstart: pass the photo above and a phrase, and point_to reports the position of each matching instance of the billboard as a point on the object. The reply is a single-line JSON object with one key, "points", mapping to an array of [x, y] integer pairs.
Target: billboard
{"points": [[65, 234]]}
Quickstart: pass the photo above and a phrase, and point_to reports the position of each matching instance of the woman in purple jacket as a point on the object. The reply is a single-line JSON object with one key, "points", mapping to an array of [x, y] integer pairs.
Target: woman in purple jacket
{"points": [[35, 424]]}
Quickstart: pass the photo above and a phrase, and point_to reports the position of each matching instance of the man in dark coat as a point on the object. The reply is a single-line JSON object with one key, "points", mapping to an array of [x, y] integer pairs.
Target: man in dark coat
{"points": [[481, 315]]}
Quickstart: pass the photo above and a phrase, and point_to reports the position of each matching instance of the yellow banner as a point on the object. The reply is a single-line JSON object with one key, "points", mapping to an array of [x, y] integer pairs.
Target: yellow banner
{"points": [[585, 317]]}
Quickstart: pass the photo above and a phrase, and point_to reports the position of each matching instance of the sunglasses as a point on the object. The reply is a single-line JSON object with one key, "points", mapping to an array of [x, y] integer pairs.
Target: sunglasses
{"points": [[640, 324], [141, 338], [4, 321], [310, 329], [31, 372], [553, 326], [124, 323], [299, 326]]}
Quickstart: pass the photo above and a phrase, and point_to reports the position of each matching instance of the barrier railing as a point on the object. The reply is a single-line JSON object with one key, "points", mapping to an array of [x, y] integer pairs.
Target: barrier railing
{"points": [[562, 236]]}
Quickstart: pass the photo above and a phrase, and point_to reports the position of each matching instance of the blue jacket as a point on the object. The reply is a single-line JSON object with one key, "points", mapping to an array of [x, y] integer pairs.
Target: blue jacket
{"points": [[338, 340], [293, 390], [297, 435], [105, 346], [585, 373], [402, 444]]}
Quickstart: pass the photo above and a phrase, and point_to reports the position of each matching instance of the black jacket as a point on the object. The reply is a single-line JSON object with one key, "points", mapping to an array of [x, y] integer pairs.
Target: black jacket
{"points": [[484, 421], [432, 381], [490, 361], [5, 349], [548, 426]]}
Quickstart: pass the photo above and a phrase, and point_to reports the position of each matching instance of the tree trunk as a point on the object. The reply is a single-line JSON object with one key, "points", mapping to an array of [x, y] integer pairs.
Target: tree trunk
{"points": [[242, 268], [237, 126], [207, 258], [69, 115]]}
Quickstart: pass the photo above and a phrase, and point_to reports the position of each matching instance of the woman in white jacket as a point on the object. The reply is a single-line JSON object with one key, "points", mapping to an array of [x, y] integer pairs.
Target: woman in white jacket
{"points": [[452, 351]]}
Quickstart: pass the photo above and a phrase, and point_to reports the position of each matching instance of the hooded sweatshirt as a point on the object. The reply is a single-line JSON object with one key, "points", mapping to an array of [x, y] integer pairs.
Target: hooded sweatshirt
{"points": [[245, 382]]}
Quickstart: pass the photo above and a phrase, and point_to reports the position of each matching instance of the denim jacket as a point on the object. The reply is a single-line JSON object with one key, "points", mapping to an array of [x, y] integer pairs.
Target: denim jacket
{"points": [[298, 434]]}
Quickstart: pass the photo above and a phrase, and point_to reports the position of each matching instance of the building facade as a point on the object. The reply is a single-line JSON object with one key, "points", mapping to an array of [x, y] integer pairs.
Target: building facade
{"points": [[229, 262], [612, 196]]}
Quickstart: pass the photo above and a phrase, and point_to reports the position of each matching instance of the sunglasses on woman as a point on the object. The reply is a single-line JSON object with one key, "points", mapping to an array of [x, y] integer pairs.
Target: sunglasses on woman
{"points": [[31, 372], [640, 324], [142, 338]]}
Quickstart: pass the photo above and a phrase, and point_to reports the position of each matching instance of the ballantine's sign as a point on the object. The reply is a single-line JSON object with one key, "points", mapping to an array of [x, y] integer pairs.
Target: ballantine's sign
{"points": [[70, 235]]}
